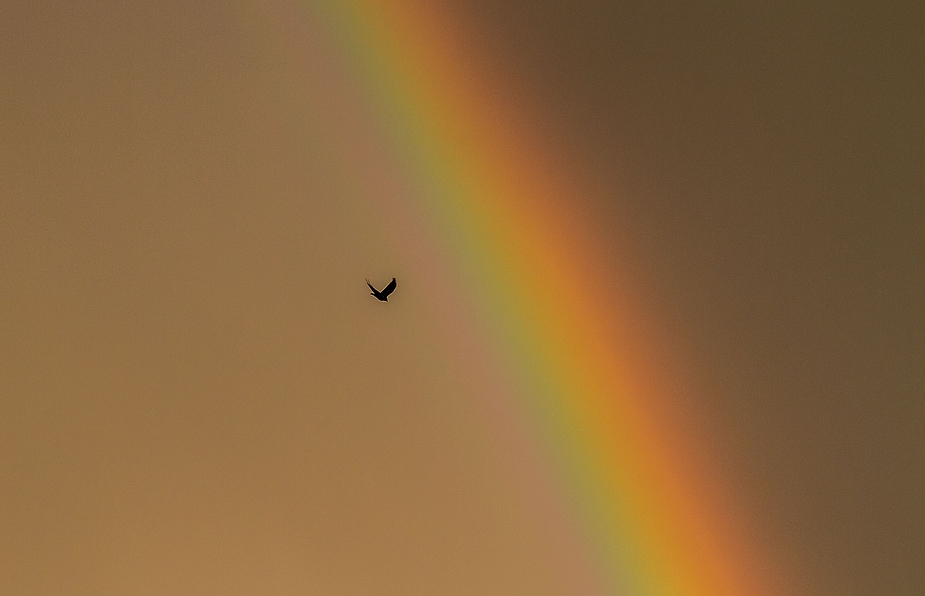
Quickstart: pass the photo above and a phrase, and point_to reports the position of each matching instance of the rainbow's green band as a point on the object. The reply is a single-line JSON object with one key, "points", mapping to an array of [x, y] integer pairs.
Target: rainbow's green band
{"points": [[647, 510]]}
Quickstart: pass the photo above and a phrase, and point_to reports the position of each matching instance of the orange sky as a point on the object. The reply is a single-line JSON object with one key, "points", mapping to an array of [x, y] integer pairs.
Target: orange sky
{"points": [[197, 396]]}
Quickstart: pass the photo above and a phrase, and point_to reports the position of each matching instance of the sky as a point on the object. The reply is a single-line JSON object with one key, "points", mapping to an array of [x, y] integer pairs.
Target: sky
{"points": [[198, 395]]}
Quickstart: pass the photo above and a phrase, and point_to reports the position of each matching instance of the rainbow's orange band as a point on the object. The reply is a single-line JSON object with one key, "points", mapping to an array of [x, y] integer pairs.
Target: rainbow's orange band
{"points": [[649, 516]]}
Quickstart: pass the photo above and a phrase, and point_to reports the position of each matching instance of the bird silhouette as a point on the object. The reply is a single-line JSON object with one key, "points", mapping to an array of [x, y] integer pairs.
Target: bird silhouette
{"points": [[382, 296]]}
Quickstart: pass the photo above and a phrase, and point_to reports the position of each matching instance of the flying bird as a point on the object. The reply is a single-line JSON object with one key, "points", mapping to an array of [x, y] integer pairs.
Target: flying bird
{"points": [[382, 296]]}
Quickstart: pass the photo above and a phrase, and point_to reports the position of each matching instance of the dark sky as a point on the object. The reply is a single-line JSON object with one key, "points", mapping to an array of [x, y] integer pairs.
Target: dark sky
{"points": [[191, 372], [770, 161]]}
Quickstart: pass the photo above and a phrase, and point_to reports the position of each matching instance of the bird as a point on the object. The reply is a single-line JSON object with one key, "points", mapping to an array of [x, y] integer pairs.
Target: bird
{"points": [[382, 296]]}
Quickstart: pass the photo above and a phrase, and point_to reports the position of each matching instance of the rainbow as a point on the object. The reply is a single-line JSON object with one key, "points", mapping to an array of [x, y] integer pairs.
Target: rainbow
{"points": [[594, 435]]}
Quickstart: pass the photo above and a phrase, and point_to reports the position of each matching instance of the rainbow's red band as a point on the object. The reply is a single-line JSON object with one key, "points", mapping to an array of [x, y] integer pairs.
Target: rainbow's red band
{"points": [[644, 506]]}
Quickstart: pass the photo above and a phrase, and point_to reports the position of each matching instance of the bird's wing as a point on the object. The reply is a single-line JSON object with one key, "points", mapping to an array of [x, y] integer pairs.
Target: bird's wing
{"points": [[371, 287], [389, 288]]}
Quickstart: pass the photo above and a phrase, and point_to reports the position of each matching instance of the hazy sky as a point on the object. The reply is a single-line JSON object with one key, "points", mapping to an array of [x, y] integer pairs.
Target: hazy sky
{"points": [[197, 395]]}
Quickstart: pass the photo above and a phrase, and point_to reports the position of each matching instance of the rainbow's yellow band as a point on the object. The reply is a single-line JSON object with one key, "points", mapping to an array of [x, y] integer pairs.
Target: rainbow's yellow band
{"points": [[640, 493]]}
